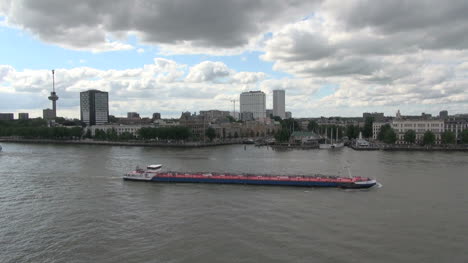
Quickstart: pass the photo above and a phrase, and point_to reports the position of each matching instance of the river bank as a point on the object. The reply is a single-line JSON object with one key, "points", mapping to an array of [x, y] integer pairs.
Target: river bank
{"points": [[122, 143], [405, 147]]}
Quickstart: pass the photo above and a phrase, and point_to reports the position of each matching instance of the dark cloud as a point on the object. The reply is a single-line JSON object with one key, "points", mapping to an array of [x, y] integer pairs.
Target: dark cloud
{"points": [[206, 23], [433, 24]]}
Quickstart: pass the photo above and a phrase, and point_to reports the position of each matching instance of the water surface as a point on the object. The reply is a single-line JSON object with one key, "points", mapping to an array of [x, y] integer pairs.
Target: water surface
{"points": [[68, 203]]}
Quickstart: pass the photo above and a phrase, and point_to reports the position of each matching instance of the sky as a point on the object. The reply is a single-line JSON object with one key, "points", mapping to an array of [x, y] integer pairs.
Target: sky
{"points": [[332, 57]]}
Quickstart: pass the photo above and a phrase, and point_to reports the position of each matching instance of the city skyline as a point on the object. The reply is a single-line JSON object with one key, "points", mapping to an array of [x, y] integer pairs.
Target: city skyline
{"points": [[331, 59]]}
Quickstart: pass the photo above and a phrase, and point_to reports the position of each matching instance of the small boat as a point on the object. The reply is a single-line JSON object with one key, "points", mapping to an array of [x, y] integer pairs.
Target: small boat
{"points": [[154, 173]]}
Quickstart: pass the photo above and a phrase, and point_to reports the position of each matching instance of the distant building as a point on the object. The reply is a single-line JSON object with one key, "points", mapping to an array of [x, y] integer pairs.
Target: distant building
{"points": [[94, 107], [165, 123], [255, 102], [279, 103], [247, 116], [48, 114], [419, 124], [456, 124], [305, 138], [378, 116], [119, 129], [133, 115], [443, 114], [23, 116], [6, 116], [156, 116], [196, 123], [212, 115], [288, 115], [426, 115], [376, 125], [401, 126], [269, 112]]}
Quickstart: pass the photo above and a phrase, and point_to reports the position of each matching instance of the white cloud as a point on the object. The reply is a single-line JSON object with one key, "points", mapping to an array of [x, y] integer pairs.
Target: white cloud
{"points": [[208, 71], [157, 87]]}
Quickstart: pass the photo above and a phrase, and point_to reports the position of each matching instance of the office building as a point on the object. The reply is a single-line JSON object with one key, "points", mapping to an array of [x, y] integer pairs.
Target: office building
{"points": [[156, 116], [255, 102], [48, 114], [377, 116], [94, 107], [6, 116], [279, 103], [214, 114], [288, 115], [443, 114], [133, 115], [247, 116], [23, 116]]}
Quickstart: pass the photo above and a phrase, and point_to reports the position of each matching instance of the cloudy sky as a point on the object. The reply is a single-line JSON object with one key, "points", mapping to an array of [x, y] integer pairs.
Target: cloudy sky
{"points": [[332, 57]]}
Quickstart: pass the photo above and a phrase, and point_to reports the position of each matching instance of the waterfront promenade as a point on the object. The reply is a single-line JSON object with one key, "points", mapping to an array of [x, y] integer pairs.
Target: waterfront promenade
{"points": [[407, 147], [122, 143]]}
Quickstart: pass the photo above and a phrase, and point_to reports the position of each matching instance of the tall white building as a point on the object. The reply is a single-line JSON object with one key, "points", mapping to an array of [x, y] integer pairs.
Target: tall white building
{"points": [[279, 103], [255, 102], [94, 107]]}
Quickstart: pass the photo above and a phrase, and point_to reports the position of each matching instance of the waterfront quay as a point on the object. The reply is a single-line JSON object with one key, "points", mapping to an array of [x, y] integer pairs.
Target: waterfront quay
{"points": [[123, 143], [406, 147]]}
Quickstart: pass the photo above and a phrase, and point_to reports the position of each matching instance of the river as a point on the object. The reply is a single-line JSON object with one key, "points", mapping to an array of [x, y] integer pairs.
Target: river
{"points": [[68, 203]]}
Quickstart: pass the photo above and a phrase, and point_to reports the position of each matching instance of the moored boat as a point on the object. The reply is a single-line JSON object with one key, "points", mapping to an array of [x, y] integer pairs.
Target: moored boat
{"points": [[154, 173]]}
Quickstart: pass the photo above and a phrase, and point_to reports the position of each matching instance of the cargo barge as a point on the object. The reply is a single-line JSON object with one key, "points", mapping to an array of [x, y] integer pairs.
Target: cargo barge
{"points": [[154, 173]]}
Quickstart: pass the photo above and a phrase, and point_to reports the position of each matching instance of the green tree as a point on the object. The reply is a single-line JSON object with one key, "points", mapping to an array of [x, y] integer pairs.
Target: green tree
{"points": [[290, 124], [210, 133], [387, 134], [367, 131], [277, 118], [410, 136], [352, 131], [429, 138], [230, 118], [125, 136], [312, 126], [448, 137], [282, 135], [390, 136], [88, 133], [464, 136]]}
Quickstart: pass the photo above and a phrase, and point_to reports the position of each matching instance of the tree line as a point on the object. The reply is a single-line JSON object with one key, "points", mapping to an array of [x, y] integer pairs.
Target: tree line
{"points": [[42, 132], [165, 133]]}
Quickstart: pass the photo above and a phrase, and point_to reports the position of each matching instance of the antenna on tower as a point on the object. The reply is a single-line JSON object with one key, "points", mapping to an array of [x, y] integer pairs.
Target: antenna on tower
{"points": [[53, 80]]}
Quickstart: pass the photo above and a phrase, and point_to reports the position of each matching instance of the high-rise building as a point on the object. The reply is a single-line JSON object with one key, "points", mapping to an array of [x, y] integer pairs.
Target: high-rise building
{"points": [[279, 103], [6, 116], [48, 114], [288, 115], [133, 115], [156, 116], [94, 107], [377, 116], [443, 114], [255, 102], [23, 116]]}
